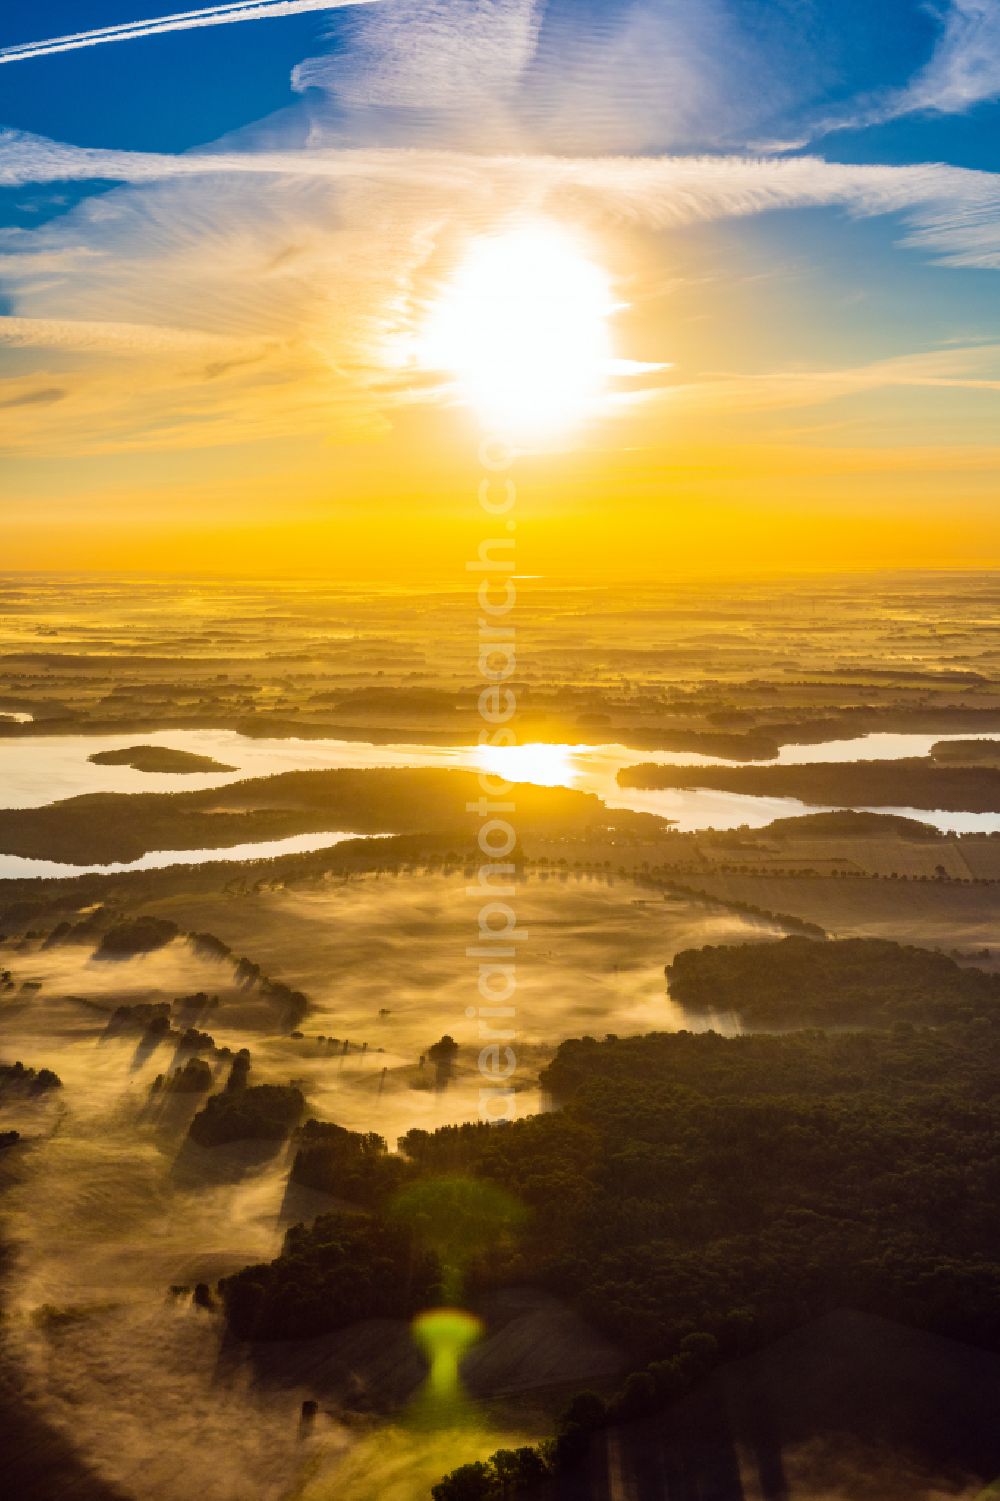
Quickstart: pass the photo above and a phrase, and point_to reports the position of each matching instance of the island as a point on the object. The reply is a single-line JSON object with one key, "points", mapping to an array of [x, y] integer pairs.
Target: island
{"points": [[911, 782], [967, 752], [161, 758]]}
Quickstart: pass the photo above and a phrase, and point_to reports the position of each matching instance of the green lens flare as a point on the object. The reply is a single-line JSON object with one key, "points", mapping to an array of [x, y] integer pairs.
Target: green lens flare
{"points": [[444, 1335]]}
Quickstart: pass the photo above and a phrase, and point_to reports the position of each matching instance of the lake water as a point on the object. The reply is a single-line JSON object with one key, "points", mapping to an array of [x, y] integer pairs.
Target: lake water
{"points": [[14, 866], [43, 769]]}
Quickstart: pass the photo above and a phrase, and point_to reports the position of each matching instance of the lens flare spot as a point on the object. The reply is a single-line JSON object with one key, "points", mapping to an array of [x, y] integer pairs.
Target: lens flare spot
{"points": [[444, 1335]]}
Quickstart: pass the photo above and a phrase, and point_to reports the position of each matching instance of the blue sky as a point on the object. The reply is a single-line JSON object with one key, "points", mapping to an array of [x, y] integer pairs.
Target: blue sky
{"points": [[805, 63], [781, 187], [162, 93]]}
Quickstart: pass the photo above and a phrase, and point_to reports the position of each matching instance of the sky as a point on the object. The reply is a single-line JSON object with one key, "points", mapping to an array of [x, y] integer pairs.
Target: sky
{"points": [[725, 274]]}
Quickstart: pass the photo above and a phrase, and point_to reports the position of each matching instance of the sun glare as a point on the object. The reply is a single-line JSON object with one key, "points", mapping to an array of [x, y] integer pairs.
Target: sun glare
{"points": [[543, 765], [523, 327]]}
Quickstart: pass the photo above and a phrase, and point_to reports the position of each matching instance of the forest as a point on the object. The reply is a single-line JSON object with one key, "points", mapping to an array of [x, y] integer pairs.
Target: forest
{"points": [[695, 1196], [699, 1196], [101, 827], [869, 981]]}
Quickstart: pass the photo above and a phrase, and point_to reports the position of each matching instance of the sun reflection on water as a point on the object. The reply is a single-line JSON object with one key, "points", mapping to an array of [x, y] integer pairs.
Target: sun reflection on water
{"points": [[543, 765]]}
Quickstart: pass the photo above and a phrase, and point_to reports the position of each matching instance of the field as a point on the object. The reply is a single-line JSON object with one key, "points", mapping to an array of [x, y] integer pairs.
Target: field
{"points": [[682, 664], [939, 915], [753, 1431]]}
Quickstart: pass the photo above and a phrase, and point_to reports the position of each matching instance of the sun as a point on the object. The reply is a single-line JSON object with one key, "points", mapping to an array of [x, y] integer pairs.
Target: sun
{"points": [[522, 325]]}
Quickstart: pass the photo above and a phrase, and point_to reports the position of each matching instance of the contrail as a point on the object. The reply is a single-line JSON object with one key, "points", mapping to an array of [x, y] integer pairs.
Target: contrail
{"points": [[213, 15]]}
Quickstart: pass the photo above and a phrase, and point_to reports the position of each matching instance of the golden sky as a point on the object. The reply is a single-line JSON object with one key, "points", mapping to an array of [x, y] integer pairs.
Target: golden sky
{"points": [[277, 351]]}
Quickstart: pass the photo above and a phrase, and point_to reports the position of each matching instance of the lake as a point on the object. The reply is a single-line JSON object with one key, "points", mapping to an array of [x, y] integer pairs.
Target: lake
{"points": [[43, 769]]}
